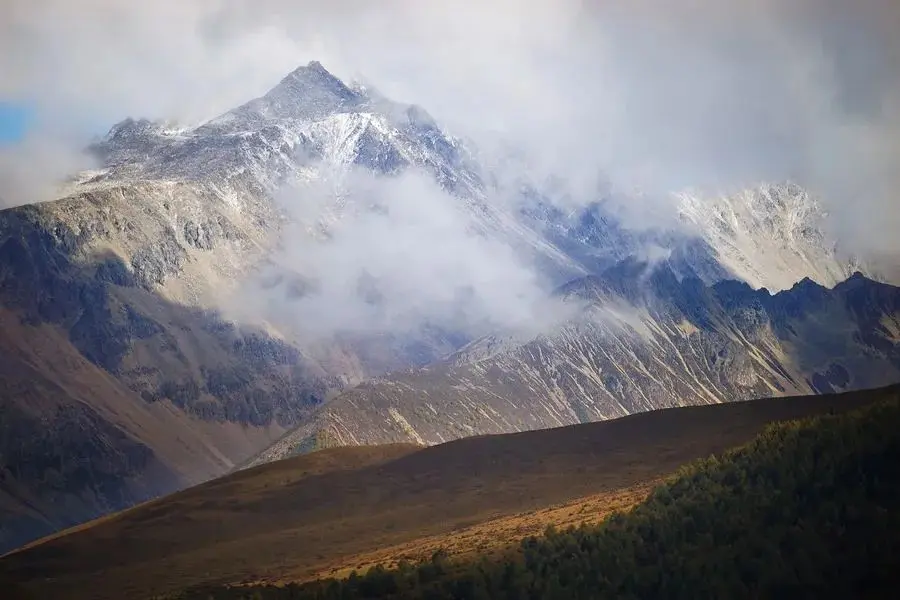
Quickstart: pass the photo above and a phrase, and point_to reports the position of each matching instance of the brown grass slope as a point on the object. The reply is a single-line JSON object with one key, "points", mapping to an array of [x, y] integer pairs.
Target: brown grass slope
{"points": [[297, 518]]}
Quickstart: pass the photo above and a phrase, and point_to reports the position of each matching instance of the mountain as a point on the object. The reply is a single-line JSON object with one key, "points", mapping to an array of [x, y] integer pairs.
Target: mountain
{"points": [[772, 236], [294, 519], [140, 355], [642, 340], [125, 378], [769, 236]]}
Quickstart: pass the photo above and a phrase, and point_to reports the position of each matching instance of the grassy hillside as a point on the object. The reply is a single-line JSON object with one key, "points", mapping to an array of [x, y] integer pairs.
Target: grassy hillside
{"points": [[809, 509], [326, 512]]}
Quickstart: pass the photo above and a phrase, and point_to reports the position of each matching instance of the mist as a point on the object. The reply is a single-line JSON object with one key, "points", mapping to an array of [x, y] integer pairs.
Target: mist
{"points": [[393, 255], [649, 96]]}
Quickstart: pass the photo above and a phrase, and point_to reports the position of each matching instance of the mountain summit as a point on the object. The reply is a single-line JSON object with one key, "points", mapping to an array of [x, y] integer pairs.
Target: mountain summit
{"points": [[309, 92]]}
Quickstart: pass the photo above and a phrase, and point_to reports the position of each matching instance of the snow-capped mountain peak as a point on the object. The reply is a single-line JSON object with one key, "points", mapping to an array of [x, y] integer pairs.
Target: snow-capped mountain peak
{"points": [[309, 92], [125, 275], [769, 236]]}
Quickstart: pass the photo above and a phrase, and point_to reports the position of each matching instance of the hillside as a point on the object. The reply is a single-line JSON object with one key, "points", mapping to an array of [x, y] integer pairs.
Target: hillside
{"points": [[297, 518], [643, 339], [808, 509]]}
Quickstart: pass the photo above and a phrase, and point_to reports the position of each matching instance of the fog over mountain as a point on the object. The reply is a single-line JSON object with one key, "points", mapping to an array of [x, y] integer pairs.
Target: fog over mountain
{"points": [[398, 253], [234, 224], [654, 95]]}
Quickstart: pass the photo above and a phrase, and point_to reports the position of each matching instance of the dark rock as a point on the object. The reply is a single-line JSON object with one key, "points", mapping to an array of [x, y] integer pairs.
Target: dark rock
{"points": [[152, 264], [114, 271], [139, 326], [378, 154]]}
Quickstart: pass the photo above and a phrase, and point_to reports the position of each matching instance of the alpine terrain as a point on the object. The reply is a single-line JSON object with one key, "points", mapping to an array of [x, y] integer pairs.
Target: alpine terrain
{"points": [[153, 332]]}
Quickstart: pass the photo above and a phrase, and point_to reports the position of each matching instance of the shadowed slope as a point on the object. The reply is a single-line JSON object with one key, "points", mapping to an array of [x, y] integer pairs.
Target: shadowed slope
{"points": [[273, 520]]}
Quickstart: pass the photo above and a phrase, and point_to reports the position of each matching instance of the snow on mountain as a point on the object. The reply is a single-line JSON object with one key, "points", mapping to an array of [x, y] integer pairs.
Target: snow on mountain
{"points": [[210, 194], [771, 237], [123, 280], [312, 126]]}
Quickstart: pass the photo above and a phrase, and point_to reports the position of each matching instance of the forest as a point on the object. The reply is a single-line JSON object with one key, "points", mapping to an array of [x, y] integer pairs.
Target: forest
{"points": [[808, 509]]}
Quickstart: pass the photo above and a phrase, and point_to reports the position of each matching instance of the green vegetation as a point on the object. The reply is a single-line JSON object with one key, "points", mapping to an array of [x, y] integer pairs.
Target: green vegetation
{"points": [[809, 509]]}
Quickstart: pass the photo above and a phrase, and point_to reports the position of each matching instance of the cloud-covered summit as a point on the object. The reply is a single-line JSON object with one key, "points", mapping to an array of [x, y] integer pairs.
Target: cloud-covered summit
{"points": [[657, 95]]}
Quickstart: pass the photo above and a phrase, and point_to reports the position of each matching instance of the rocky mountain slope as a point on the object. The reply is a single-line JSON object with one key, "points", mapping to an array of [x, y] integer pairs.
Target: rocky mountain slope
{"points": [[132, 366], [115, 352], [118, 351], [643, 340], [772, 236], [769, 236]]}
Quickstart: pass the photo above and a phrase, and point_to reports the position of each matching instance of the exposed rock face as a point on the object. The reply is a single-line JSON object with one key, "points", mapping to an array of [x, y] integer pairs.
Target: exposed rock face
{"points": [[643, 340], [129, 394], [770, 237]]}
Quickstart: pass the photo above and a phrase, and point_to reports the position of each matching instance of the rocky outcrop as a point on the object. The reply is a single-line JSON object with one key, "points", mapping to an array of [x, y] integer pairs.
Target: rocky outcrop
{"points": [[771, 236]]}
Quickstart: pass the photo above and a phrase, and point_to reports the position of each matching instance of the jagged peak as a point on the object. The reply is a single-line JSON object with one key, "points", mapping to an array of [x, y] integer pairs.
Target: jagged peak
{"points": [[312, 69], [806, 282], [131, 126], [314, 75], [858, 280], [805, 286], [733, 287], [309, 91]]}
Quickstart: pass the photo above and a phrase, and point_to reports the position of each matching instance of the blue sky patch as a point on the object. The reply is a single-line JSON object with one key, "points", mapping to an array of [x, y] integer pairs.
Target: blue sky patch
{"points": [[14, 122]]}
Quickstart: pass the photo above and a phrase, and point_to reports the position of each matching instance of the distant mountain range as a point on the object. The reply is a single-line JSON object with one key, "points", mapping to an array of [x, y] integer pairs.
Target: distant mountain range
{"points": [[126, 373], [643, 340]]}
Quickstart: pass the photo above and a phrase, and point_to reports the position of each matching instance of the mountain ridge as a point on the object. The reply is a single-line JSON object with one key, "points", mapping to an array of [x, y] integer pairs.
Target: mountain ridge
{"points": [[133, 278], [626, 353]]}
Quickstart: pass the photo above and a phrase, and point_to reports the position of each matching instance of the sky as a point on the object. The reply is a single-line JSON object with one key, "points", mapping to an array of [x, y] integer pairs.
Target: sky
{"points": [[14, 119], [659, 95]]}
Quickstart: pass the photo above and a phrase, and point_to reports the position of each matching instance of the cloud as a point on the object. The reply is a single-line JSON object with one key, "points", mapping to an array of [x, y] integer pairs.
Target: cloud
{"points": [[659, 94], [33, 170], [404, 255]]}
